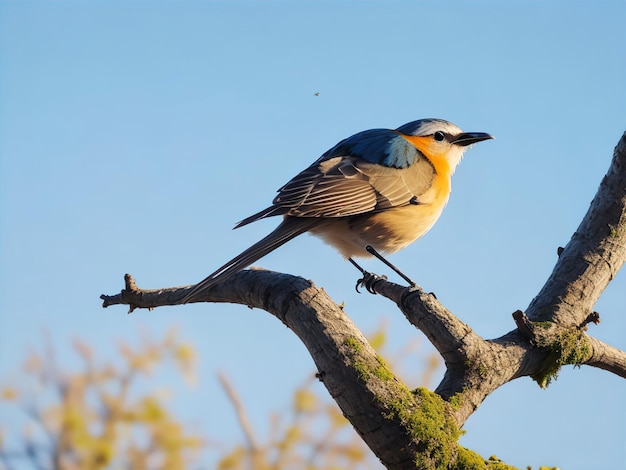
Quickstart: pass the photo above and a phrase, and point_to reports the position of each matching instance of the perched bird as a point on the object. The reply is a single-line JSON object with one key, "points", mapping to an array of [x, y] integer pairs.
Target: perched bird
{"points": [[380, 188]]}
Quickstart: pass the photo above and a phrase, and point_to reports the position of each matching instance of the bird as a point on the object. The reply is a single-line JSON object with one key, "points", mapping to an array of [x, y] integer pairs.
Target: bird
{"points": [[376, 191]]}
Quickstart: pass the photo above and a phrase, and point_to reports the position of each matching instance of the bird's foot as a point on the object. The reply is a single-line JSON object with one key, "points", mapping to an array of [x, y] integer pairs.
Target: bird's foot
{"points": [[368, 281]]}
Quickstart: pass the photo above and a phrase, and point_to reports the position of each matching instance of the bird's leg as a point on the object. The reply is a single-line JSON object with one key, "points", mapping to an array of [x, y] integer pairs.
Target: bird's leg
{"points": [[367, 280], [370, 249]]}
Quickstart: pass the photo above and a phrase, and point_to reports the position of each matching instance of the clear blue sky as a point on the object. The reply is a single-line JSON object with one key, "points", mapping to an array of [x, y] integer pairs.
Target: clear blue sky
{"points": [[133, 135]]}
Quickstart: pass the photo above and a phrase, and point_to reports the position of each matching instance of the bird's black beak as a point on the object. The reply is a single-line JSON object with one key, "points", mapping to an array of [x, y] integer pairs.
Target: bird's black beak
{"points": [[469, 138]]}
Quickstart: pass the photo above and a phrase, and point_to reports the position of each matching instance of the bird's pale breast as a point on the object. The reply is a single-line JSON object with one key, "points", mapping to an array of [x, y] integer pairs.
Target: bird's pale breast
{"points": [[390, 230]]}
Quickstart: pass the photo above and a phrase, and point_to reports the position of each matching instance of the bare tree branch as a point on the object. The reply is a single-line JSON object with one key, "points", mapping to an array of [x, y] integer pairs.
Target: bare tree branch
{"points": [[607, 357], [551, 333], [594, 255], [356, 377], [242, 416], [444, 330]]}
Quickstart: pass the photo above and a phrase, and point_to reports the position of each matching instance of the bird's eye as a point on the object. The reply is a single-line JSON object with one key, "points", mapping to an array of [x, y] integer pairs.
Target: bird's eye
{"points": [[439, 136]]}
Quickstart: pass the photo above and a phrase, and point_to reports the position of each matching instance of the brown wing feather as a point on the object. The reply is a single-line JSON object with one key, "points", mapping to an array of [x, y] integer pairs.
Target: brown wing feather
{"points": [[345, 186], [353, 186], [398, 187]]}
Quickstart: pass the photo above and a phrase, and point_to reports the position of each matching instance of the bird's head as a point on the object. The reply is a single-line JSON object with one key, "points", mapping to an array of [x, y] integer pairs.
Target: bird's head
{"points": [[442, 142]]}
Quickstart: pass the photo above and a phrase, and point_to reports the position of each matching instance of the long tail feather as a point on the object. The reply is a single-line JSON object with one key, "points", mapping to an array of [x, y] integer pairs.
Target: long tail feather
{"points": [[269, 212], [289, 228]]}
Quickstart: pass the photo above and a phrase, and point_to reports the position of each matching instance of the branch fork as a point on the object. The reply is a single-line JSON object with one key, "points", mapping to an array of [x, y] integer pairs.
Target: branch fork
{"points": [[550, 332]]}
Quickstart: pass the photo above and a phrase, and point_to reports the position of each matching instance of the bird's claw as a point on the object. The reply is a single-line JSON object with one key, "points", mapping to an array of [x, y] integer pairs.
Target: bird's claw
{"points": [[368, 281]]}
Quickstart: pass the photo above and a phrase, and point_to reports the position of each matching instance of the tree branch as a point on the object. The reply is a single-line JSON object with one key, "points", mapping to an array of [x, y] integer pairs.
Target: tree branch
{"points": [[607, 357], [444, 330], [242, 416], [379, 406], [584, 269], [593, 256], [390, 418]]}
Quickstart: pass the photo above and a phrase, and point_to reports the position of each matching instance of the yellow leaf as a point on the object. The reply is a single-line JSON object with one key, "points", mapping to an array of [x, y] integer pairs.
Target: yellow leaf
{"points": [[233, 460], [73, 419], [354, 452], [291, 436], [378, 339], [8, 393], [304, 401], [102, 453], [185, 353], [194, 442], [337, 419], [151, 410]]}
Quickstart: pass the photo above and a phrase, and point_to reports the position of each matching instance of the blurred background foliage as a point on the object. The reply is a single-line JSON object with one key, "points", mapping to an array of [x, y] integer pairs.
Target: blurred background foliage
{"points": [[112, 414]]}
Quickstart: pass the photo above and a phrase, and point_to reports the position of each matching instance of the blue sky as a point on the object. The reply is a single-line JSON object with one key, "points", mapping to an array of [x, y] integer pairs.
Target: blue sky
{"points": [[133, 135]]}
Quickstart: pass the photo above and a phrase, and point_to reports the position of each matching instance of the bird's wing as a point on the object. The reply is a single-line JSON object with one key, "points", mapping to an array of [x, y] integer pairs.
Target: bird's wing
{"points": [[345, 186], [370, 171]]}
